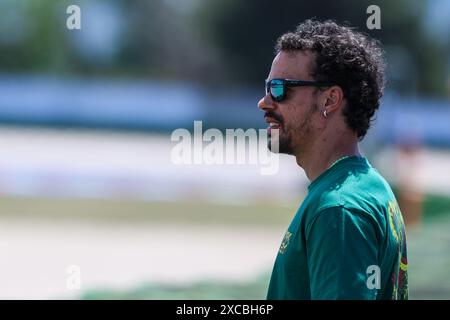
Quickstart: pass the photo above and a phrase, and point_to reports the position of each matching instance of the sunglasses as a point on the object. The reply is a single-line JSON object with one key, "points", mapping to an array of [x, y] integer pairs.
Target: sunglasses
{"points": [[277, 87]]}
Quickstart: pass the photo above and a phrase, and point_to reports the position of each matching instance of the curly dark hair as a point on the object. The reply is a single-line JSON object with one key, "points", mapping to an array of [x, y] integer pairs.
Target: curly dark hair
{"points": [[347, 58]]}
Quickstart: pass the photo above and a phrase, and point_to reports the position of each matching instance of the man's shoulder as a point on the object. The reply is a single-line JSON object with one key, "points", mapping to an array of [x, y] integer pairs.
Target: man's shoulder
{"points": [[350, 188], [365, 193]]}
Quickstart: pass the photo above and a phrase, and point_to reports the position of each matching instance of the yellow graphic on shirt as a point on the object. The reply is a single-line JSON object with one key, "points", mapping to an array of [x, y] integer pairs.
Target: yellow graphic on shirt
{"points": [[403, 266], [285, 242], [399, 276], [395, 220]]}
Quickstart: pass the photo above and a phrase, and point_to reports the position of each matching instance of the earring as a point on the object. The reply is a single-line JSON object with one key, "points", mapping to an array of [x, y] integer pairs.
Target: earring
{"points": [[325, 114]]}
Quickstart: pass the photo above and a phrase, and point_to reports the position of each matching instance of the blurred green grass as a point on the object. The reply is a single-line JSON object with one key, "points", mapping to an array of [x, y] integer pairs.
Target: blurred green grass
{"points": [[429, 259], [137, 211], [436, 206]]}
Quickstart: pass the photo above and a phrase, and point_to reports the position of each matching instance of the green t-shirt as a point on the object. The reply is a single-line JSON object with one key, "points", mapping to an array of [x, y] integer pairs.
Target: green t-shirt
{"points": [[346, 241]]}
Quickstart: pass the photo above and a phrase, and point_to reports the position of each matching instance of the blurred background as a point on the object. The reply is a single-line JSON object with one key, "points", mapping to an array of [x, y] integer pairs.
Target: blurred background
{"points": [[86, 177]]}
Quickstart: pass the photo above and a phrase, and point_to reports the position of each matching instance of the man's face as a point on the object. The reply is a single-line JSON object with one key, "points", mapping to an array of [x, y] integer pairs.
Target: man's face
{"points": [[297, 116]]}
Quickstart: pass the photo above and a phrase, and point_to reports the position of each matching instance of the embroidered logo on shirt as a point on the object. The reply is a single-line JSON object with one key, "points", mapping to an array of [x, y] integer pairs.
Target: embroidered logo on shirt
{"points": [[285, 242]]}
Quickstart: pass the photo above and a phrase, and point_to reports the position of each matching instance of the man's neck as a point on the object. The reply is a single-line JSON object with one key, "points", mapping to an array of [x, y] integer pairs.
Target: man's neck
{"points": [[322, 155]]}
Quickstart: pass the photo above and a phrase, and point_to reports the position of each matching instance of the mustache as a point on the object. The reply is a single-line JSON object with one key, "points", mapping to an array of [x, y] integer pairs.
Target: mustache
{"points": [[274, 116]]}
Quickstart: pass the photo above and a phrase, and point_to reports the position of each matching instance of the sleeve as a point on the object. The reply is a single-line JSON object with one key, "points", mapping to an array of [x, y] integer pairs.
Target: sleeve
{"points": [[341, 244]]}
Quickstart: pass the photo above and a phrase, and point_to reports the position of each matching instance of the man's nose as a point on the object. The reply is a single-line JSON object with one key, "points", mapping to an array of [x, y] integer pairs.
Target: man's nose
{"points": [[266, 103]]}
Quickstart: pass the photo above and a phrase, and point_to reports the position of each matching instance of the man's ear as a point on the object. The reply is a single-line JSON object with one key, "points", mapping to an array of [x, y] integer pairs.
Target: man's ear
{"points": [[333, 98]]}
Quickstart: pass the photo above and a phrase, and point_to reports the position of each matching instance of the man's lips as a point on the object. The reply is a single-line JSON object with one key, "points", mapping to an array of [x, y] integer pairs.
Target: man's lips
{"points": [[273, 124]]}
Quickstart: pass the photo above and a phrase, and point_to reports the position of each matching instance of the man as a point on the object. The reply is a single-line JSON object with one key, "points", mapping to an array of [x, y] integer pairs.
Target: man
{"points": [[347, 239]]}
